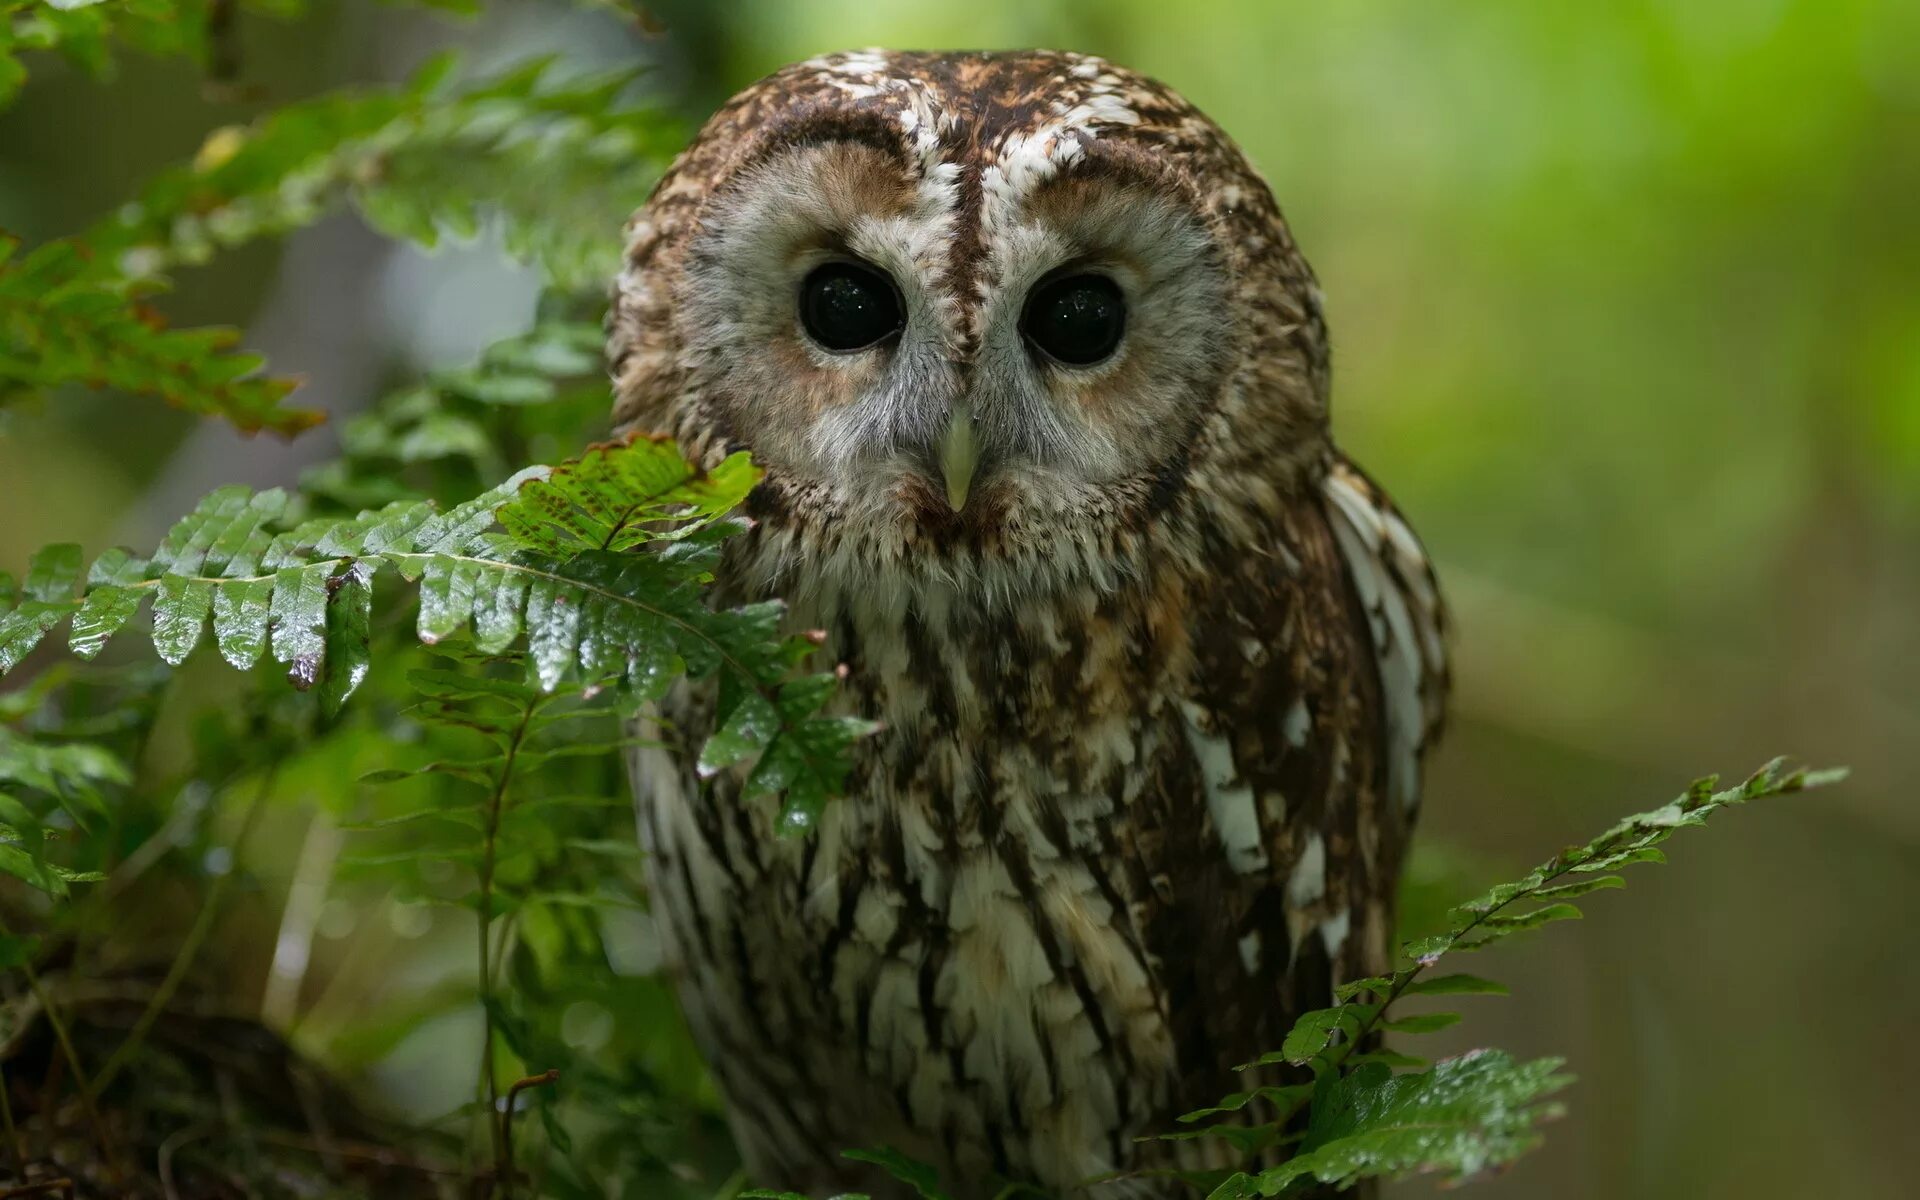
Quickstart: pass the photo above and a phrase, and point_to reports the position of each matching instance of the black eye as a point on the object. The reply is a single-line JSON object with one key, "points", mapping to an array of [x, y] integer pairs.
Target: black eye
{"points": [[847, 306], [1076, 319]]}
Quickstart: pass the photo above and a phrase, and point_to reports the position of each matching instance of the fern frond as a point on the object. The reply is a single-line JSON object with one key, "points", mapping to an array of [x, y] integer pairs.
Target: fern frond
{"points": [[65, 321], [547, 560], [558, 163], [36, 778], [86, 31], [1466, 1115]]}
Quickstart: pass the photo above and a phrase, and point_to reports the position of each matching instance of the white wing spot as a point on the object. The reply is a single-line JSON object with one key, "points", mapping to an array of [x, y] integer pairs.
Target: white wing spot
{"points": [[1229, 800], [1308, 882], [1299, 723], [1250, 952], [1333, 931], [1375, 553]]}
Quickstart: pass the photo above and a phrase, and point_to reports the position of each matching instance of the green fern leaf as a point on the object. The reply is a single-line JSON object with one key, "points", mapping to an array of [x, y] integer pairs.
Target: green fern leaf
{"points": [[612, 499], [349, 634], [530, 561], [86, 32], [1421, 1022], [67, 318], [555, 163], [242, 616], [36, 777], [180, 612], [1454, 985], [47, 598], [1463, 1117], [1315, 1029], [923, 1179], [1239, 1100], [111, 601], [299, 611]]}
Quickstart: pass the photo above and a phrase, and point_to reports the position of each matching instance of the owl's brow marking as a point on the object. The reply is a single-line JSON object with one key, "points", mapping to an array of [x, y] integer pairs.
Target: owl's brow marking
{"points": [[1125, 165], [1027, 154], [821, 125]]}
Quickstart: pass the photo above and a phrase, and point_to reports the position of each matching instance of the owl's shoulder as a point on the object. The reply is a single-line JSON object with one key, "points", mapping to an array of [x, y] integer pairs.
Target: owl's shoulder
{"points": [[1317, 612], [1274, 821]]}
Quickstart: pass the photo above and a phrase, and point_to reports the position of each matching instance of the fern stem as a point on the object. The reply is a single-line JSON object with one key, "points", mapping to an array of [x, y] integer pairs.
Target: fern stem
{"points": [[498, 1128], [190, 947], [1337, 1056], [550, 1075]]}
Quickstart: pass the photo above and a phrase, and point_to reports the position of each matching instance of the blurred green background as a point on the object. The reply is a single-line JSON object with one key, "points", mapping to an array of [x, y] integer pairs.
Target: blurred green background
{"points": [[1626, 304]]}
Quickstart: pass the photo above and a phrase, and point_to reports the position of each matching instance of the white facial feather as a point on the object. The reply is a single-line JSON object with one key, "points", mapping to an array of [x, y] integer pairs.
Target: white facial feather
{"points": [[859, 424]]}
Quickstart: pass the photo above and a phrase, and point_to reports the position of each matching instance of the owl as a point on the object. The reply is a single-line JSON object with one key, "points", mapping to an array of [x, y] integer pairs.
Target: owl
{"points": [[1038, 379]]}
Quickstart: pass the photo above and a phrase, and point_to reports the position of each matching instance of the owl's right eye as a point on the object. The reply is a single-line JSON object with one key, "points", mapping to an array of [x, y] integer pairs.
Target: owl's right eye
{"points": [[847, 306]]}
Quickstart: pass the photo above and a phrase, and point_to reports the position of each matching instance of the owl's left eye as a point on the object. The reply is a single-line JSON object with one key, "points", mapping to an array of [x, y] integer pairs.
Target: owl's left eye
{"points": [[1076, 319], [848, 306]]}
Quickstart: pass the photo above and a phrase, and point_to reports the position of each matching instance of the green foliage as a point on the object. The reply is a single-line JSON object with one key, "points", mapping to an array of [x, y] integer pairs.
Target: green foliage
{"points": [[546, 558], [556, 162], [484, 814], [64, 320], [442, 436], [553, 163], [513, 849], [924, 1180], [86, 31], [1461, 1117], [65, 780], [509, 802], [594, 570], [1465, 1116], [49, 791]]}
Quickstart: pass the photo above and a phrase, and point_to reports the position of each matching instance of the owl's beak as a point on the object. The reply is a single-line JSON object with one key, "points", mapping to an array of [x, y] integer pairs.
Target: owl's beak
{"points": [[959, 455]]}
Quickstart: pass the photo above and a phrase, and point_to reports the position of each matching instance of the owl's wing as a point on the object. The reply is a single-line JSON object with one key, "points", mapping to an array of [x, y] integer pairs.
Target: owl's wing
{"points": [[1276, 809], [1405, 619]]}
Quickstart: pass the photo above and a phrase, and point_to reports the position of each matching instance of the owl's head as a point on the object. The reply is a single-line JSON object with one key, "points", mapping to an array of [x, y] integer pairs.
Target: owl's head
{"points": [[971, 306]]}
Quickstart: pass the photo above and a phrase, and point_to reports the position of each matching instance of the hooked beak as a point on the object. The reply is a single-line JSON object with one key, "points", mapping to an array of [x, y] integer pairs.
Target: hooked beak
{"points": [[959, 455]]}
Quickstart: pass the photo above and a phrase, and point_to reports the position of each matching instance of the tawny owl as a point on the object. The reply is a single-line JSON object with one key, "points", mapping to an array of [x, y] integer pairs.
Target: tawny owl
{"points": [[1039, 381]]}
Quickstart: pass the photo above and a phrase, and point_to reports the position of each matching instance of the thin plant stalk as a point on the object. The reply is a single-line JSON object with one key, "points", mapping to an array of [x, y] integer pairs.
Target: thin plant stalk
{"points": [[550, 1075], [189, 949], [489, 1085]]}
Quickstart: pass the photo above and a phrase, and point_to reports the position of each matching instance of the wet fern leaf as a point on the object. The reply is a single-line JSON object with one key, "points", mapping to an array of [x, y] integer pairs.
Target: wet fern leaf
{"points": [[597, 567]]}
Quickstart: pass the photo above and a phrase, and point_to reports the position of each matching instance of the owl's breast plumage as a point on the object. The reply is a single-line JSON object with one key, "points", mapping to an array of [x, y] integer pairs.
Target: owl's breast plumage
{"points": [[1107, 842]]}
